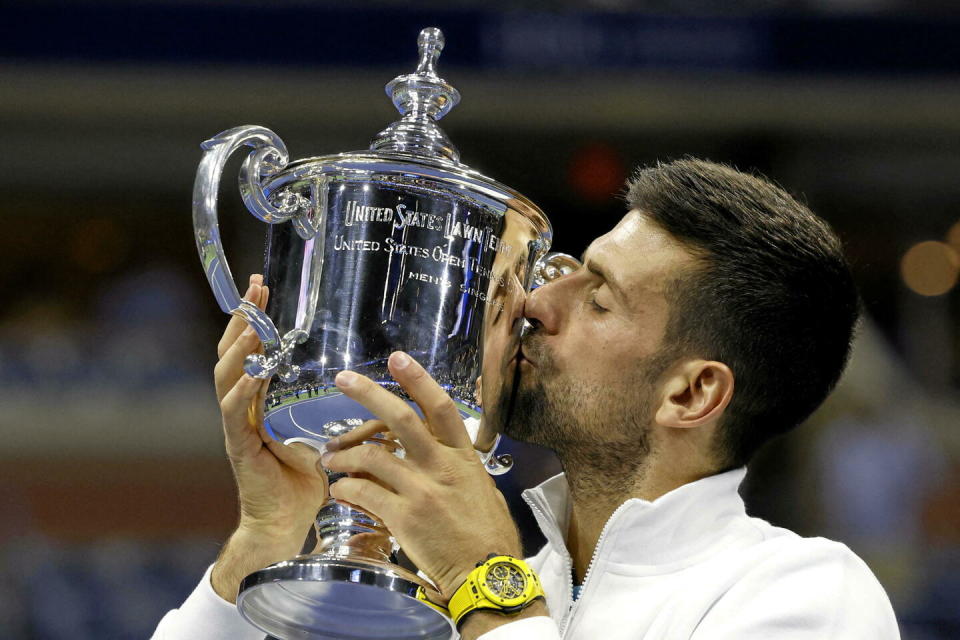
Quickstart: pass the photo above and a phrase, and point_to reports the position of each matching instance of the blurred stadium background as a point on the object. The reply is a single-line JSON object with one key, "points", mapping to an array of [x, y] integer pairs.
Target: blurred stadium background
{"points": [[115, 494]]}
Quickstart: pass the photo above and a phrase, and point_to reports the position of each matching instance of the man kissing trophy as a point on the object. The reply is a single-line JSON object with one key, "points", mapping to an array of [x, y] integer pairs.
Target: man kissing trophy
{"points": [[399, 247]]}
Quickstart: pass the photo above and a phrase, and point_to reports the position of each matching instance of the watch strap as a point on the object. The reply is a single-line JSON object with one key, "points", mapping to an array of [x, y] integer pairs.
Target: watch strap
{"points": [[422, 597]]}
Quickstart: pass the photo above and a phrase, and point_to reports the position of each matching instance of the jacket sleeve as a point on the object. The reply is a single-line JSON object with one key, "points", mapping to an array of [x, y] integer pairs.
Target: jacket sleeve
{"points": [[205, 616], [538, 628], [823, 593]]}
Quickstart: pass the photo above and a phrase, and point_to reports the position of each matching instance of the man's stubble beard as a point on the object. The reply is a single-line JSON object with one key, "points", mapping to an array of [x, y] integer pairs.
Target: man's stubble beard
{"points": [[600, 434]]}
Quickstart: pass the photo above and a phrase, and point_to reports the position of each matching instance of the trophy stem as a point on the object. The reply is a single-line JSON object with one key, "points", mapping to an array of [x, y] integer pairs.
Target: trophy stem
{"points": [[345, 532], [350, 587]]}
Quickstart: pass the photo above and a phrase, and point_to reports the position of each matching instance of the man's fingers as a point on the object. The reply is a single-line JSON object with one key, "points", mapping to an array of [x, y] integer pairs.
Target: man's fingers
{"points": [[374, 460], [358, 435], [403, 420], [437, 405], [299, 456], [230, 366], [368, 495], [264, 296], [240, 434], [236, 403], [256, 411], [237, 324]]}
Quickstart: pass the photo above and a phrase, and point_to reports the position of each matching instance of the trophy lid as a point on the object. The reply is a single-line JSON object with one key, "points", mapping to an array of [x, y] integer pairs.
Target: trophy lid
{"points": [[414, 146], [422, 97]]}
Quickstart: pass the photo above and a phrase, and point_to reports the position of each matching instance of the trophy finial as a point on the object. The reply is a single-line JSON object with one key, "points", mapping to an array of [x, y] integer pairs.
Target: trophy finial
{"points": [[431, 44], [422, 97]]}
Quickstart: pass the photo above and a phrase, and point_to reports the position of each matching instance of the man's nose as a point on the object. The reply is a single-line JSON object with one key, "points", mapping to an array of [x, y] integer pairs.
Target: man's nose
{"points": [[541, 309], [543, 306]]}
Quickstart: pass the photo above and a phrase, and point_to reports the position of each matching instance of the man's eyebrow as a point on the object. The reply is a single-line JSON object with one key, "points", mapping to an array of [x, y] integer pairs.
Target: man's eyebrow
{"points": [[596, 269]]}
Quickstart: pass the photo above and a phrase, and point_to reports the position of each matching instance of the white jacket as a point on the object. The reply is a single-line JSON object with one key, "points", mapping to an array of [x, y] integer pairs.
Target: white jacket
{"points": [[693, 565], [689, 565]]}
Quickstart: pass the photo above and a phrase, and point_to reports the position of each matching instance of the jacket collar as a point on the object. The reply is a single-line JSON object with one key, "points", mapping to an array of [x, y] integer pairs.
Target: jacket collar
{"points": [[673, 528]]}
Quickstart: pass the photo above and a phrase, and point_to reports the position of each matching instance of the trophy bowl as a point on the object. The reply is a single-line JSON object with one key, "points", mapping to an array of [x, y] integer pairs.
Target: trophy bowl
{"points": [[399, 247]]}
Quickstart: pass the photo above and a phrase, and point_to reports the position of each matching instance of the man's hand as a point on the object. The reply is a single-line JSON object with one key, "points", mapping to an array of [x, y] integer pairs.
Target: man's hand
{"points": [[280, 487], [438, 501]]}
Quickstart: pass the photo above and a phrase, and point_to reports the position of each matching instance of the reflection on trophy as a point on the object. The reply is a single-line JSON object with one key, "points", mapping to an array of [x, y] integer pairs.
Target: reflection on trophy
{"points": [[400, 247]]}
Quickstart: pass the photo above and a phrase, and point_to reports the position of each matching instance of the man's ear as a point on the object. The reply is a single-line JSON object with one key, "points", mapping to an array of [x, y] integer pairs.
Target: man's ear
{"points": [[695, 394]]}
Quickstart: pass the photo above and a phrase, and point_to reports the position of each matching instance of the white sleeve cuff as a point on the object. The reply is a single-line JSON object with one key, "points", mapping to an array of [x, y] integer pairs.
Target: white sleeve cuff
{"points": [[537, 628], [206, 616]]}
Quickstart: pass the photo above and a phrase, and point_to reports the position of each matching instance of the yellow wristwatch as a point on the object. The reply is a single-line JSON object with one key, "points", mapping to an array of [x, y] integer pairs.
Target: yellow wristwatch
{"points": [[501, 583]]}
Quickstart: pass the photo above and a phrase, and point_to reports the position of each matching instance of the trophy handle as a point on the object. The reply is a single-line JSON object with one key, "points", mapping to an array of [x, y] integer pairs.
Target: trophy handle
{"points": [[552, 266], [268, 157], [495, 464]]}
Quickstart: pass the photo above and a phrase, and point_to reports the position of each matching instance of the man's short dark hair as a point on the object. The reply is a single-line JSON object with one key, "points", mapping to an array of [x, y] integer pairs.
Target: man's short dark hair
{"points": [[772, 296]]}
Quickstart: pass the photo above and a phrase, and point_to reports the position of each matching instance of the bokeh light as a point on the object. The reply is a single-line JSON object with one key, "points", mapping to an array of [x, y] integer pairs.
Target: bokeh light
{"points": [[953, 236], [930, 268], [597, 171]]}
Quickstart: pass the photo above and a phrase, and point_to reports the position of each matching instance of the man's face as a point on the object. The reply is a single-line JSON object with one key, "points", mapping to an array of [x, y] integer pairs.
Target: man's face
{"points": [[588, 374], [502, 321]]}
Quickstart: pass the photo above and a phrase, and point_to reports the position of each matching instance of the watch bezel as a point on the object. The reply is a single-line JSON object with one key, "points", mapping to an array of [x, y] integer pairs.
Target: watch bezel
{"points": [[505, 603]]}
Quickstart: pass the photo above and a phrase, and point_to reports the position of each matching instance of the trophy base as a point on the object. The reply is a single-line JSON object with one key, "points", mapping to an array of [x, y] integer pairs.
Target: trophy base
{"points": [[343, 599]]}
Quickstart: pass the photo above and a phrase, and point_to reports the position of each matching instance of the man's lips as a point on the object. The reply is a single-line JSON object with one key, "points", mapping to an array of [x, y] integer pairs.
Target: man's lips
{"points": [[524, 355]]}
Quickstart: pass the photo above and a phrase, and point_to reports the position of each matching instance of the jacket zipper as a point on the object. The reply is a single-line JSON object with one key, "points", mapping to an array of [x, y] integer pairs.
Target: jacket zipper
{"points": [[586, 576]]}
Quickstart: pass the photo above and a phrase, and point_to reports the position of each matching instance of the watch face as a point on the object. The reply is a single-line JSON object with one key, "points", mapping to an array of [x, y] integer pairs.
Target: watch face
{"points": [[506, 580]]}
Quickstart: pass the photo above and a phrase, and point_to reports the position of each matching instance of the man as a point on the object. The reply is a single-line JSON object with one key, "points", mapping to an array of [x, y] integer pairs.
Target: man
{"points": [[715, 315]]}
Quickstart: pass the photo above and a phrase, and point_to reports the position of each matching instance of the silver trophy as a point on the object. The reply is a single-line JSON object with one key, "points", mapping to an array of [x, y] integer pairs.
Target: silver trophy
{"points": [[399, 247]]}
